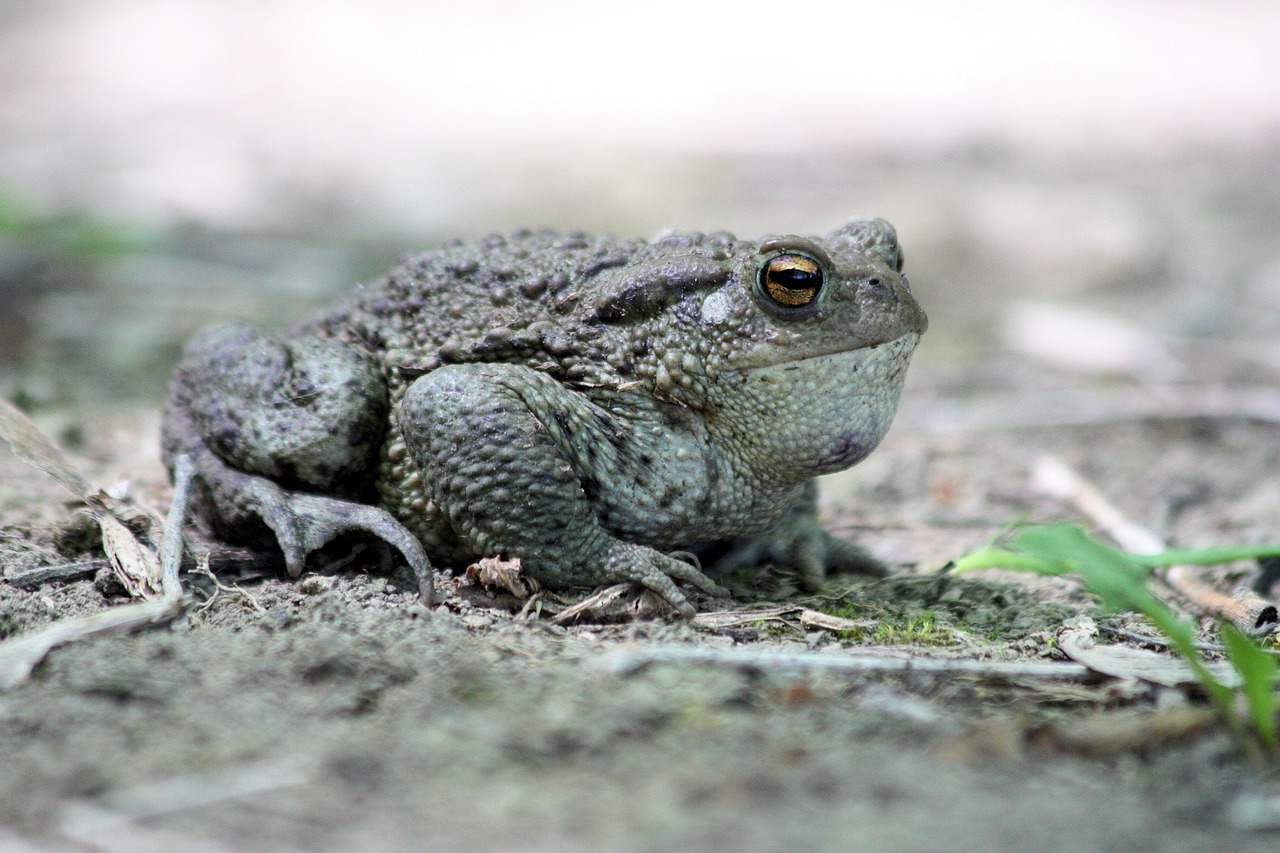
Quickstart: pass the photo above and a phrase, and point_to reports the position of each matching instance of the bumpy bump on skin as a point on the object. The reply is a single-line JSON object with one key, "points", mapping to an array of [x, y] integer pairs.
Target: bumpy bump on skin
{"points": [[583, 403]]}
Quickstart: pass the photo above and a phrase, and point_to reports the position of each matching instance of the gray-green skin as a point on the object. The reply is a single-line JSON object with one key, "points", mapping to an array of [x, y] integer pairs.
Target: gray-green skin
{"points": [[585, 404]]}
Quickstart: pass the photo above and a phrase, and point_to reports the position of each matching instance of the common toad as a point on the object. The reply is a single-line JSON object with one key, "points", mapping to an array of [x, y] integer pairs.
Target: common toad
{"points": [[585, 404]]}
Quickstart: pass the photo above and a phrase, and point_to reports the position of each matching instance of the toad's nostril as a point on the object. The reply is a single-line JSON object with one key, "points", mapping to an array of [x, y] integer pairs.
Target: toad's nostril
{"points": [[877, 286]]}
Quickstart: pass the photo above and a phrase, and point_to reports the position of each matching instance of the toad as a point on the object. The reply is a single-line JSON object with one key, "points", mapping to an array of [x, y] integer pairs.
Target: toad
{"points": [[588, 405]]}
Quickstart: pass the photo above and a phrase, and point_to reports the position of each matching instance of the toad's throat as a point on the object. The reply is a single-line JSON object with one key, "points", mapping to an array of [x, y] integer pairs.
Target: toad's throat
{"points": [[824, 413]]}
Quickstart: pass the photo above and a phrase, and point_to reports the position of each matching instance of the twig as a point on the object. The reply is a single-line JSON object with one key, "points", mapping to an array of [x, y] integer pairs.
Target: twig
{"points": [[786, 613], [220, 561], [1159, 642], [1077, 641], [19, 656], [219, 587], [1245, 609], [171, 544], [532, 608], [627, 661], [624, 600], [63, 572], [1055, 478]]}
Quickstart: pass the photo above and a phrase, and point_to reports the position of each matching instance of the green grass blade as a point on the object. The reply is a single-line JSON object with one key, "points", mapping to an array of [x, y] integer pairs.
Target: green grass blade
{"points": [[1258, 672], [1206, 556], [1117, 578], [995, 558]]}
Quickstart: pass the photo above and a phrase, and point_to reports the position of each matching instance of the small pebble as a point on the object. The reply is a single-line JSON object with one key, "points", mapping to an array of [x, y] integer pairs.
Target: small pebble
{"points": [[315, 584]]}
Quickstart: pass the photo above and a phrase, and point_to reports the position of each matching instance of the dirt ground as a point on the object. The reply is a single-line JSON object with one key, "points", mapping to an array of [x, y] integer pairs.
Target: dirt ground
{"points": [[338, 713]]}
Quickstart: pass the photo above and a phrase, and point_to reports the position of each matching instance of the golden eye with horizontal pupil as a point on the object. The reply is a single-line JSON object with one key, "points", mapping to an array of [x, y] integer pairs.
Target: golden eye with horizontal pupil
{"points": [[791, 280]]}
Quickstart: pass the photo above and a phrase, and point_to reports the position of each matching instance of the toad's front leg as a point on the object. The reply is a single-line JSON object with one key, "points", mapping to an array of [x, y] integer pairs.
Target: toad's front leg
{"points": [[499, 455], [797, 540]]}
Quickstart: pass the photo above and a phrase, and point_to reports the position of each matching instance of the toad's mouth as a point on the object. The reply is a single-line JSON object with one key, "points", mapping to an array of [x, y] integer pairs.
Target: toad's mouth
{"points": [[880, 353]]}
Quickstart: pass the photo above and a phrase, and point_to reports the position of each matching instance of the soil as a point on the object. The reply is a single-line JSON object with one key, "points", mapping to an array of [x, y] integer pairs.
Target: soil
{"points": [[336, 712]]}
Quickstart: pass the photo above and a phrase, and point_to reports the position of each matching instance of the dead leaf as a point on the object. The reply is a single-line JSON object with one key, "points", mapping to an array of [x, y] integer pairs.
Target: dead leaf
{"points": [[35, 448], [827, 622], [135, 565], [504, 574]]}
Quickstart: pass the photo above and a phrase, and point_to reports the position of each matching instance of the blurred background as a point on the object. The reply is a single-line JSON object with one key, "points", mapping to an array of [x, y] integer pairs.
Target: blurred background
{"points": [[1083, 189]]}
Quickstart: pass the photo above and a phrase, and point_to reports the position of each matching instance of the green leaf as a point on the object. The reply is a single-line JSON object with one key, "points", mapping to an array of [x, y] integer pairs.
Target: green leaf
{"points": [[1118, 578], [1206, 556], [1258, 672], [1110, 574], [994, 558]]}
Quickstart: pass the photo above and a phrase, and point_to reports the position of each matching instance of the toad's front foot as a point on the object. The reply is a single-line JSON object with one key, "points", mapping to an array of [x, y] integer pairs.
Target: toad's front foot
{"points": [[657, 572], [805, 546]]}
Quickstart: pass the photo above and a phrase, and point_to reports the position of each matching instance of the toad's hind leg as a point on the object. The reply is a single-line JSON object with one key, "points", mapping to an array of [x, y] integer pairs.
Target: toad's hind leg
{"points": [[511, 475], [284, 437]]}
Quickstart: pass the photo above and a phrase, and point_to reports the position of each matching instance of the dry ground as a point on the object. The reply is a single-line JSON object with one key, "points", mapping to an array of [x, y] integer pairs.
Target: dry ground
{"points": [[337, 713]]}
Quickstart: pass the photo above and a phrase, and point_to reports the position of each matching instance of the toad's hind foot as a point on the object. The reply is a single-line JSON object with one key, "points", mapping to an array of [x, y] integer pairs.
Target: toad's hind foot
{"points": [[302, 522]]}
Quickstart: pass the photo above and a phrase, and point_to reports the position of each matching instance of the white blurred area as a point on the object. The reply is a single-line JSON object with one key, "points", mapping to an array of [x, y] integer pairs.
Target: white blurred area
{"points": [[211, 110], [1114, 159]]}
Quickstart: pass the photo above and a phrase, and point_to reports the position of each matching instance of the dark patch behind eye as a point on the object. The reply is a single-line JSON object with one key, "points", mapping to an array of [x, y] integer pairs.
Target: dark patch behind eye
{"points": [[657, 285]]}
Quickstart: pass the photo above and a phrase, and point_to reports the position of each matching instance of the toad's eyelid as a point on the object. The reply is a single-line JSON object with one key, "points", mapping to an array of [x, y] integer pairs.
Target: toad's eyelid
{"points": [[796, 246], [793, 262]]}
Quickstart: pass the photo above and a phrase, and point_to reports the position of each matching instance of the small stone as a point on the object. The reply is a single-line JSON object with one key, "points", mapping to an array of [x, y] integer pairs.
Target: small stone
{"points": [[316, 584]]}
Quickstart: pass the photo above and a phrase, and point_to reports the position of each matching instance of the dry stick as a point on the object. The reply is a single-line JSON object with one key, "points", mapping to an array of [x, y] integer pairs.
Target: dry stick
{"points": [[19, 656], [221, 561], [171, 544], [617, 597], [627, 661], [61, 573], [1245, 610], [202, 568], [714, 620]]}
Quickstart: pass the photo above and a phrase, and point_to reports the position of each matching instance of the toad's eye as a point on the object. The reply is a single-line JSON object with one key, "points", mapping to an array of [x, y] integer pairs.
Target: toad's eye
{"points": [[791, 280]]}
